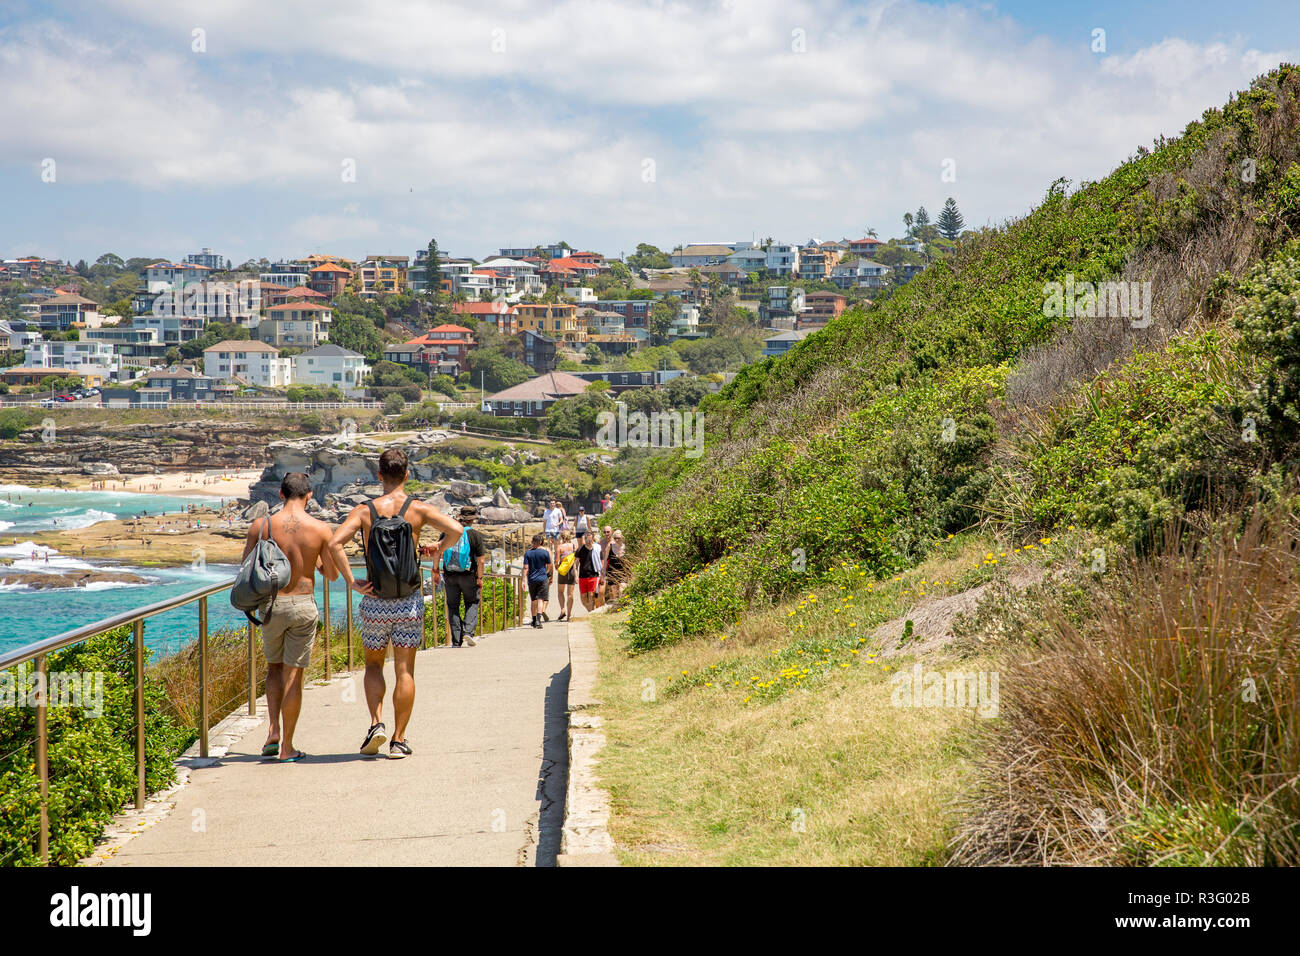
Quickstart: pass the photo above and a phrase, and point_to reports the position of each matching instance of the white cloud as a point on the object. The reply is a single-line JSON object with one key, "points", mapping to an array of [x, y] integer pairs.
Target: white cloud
{"points": [[547, 137]]}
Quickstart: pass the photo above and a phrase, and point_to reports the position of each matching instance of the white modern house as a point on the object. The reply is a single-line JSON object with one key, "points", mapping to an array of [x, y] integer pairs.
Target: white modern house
{"points": [[250, 362], [71, 355], [331, 366], [862, 273], [782, 259], [748, 259], [162, 276], [528, 279]]}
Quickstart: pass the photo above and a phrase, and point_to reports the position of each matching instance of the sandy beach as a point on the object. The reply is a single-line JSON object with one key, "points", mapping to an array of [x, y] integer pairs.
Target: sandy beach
{"points": [[218, 484]]}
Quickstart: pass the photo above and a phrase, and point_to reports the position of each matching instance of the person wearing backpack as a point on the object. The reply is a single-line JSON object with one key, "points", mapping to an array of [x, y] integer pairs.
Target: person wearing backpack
{"points": [[392, 603], [289, 617], [462, 576], [537, 562]]}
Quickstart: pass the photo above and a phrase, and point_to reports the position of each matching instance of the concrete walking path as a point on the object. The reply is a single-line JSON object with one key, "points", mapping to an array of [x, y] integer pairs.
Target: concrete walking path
{"points": [[484, 787]]}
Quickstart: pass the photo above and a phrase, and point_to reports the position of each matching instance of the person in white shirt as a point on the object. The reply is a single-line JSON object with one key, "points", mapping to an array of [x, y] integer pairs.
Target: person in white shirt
{"points": [[554, 520]]}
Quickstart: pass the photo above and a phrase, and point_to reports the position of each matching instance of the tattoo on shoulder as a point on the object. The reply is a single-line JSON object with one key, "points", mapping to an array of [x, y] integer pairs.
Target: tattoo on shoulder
{"points": [[292, 524]]}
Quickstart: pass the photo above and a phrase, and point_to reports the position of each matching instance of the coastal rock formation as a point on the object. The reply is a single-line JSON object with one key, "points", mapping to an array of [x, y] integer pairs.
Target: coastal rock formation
{"points": [[344, 472], [48, 581], [137, 449]]}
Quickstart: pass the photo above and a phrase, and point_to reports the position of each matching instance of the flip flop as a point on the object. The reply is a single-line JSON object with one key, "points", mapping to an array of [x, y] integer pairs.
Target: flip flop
{"points": [[294, 759], [270, 750]]}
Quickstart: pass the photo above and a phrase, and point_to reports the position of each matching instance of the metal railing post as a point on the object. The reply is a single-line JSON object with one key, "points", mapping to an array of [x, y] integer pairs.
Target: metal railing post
{"points": [[139, 714], [43, 758], [349, 624], [252, 677], [203, 677], [328, 628]]}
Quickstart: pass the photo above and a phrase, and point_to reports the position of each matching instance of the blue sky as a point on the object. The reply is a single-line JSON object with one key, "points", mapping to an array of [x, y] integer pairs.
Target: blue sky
{"points": [[176, 126]]}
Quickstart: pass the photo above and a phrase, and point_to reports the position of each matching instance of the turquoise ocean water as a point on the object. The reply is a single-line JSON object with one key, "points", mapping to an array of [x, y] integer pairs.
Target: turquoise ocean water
{"points": [[28, 615]]}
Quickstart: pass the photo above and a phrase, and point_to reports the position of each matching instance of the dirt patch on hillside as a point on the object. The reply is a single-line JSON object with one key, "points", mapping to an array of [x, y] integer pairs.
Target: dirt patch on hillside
{"points": [[932, 617]]}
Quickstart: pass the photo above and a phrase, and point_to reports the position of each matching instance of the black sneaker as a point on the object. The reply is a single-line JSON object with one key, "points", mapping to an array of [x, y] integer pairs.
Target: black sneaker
{"points": [[398, 749], [376, 737], [560, 618], [537, 624], [546, 617]]}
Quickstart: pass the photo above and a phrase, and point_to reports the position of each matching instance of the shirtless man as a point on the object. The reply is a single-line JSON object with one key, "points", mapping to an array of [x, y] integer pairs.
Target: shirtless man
{"points": [[290, 631], [399, 621]]}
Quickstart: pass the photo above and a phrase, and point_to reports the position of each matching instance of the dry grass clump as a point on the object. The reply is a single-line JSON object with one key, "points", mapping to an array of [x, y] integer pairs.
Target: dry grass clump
{"points": [[1164, 730]]}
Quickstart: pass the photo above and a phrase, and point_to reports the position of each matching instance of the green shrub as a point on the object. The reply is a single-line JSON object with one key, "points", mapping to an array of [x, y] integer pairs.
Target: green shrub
{"points": [[91, 759], [698, 604]]}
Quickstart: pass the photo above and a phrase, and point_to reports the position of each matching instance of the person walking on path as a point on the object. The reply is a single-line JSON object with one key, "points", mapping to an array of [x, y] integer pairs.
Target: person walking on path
{"points": [[615, 568], [588, 560], [581, 524], [568, 578], [606, 539], [390, 527], [289, 630], [553, 520], [462, 574], [537, 562]]}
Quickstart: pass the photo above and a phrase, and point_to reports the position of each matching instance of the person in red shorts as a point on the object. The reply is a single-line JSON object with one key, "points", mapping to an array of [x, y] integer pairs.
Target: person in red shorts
{"points": [[588, 560]]}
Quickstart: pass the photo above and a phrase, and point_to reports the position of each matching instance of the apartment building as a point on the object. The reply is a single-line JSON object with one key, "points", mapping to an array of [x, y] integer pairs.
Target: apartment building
{"points": [[59, 313], [554, 319], [164, 276], [302, 325], [207, 258], [380, 274]]}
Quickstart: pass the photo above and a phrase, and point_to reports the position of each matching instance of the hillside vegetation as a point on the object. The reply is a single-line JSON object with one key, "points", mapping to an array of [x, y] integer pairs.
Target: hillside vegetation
{"points": [[966, 407]]}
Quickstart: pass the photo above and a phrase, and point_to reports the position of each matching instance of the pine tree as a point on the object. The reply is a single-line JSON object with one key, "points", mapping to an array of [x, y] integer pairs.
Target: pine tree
{"points": [[922, 219], [432, 270], [950, 220]]}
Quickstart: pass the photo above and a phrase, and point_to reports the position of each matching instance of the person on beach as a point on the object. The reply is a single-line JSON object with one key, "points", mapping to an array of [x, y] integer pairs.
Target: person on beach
{"points": [[396, 621], [569, 578], [290, 629]]}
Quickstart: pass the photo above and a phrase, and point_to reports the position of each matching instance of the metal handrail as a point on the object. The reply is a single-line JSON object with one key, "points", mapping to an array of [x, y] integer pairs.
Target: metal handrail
{"points": [[39, 652]]}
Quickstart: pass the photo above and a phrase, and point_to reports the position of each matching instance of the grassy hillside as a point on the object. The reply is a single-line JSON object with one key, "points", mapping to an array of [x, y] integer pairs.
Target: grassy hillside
{"points": [[965, 407]]}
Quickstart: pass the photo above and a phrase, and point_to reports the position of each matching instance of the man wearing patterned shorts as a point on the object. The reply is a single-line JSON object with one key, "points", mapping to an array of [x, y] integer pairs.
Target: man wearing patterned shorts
{"points": [[396, 621]]}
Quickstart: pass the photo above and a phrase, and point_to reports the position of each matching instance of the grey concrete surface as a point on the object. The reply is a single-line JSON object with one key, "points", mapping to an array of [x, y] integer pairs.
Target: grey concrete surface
{"points": [[485, 786]]}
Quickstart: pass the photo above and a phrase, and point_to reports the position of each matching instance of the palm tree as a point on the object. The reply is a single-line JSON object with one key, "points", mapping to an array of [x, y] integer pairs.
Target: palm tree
{"points": [[907, 221]]}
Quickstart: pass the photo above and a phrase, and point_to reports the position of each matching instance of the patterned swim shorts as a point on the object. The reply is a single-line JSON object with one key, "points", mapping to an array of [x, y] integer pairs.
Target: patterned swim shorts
{"points": [[400, 620]]}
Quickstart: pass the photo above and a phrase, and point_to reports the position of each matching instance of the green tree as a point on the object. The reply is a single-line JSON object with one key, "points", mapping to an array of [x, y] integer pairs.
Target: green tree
{"points": [[662, 316], [950, 220], [577, 417], [685, 391], [496, 371], [433, 272], [648, 257]]}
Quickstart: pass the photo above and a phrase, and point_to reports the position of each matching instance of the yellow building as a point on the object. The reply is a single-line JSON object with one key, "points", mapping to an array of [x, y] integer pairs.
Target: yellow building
{"points": [[383, 274], [556, 320]]}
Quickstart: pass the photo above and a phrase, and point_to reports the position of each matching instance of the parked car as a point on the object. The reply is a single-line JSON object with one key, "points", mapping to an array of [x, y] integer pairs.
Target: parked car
{"points": [[65, 398], [48, 403]]}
